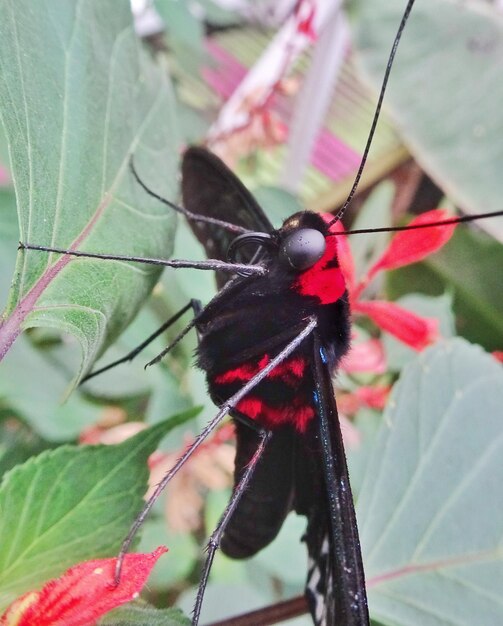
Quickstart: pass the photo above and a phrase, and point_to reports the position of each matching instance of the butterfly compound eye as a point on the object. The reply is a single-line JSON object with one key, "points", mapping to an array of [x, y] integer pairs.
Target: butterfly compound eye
{"points": [[302, 248]]}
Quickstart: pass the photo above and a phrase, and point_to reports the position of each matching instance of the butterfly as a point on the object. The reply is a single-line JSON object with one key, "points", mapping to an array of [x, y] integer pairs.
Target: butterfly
{"points": [[302, 464]]}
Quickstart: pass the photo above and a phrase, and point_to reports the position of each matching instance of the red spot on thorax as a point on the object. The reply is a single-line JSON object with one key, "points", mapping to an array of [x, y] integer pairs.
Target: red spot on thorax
{"points": [[325, 283]]}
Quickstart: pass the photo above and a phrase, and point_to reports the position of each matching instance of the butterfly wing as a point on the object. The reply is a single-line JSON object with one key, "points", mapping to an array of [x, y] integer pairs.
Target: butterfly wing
{"points": [[335, 586], [268, 499], [210, 189]]}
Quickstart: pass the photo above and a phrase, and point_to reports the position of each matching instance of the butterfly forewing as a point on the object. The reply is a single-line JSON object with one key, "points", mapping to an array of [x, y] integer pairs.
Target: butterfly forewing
{"points": [[335, 569], [210, 189]]}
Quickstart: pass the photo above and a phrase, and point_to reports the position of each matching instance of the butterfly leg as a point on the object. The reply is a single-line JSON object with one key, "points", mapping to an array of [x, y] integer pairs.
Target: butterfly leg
{"points": [[216, 536], [195, 305], [224, 409]]}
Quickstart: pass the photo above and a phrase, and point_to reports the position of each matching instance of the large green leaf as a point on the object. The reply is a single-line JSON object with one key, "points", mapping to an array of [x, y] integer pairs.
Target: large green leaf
{"points": [[77, 97], [445, 91], [430, 508], [70, 505]]}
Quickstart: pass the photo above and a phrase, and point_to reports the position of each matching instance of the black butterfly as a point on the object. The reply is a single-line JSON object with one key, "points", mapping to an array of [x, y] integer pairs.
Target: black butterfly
{"points": [[302, 465]]}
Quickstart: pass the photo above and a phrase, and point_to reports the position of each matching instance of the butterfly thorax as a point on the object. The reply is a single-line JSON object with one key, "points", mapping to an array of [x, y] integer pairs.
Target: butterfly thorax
{"points": [[251, 322]]}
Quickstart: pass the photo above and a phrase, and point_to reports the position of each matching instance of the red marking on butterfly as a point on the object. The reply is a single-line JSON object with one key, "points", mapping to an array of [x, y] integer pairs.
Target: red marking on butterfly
{"points": [[295, 409], [296, 412], [289, 371], [322, 280]]}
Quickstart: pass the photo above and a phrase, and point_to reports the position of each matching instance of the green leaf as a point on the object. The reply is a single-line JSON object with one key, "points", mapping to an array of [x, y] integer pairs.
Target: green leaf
{"points": [[70, 505], [141, 614], [34, 387], [185, 33], [445, 91], [79, 67], [184, 553], [285, 558], [224, 601], [17, 442], [430, 507], [8, 238]]}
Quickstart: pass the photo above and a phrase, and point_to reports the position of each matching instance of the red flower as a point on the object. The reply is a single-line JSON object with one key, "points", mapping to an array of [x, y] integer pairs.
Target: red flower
{"points": [[406, 247], [83, 593]]}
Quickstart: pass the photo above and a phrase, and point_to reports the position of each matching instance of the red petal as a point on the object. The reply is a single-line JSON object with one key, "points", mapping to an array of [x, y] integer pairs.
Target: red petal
{"points": [[413, 330], [83, 593], [373, 397], [410, 246]]}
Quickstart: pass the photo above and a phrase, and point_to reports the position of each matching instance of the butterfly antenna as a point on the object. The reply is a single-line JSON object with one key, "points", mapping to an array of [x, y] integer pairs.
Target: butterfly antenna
{"points": [[377, 112], [395, 229], [179, 209]]}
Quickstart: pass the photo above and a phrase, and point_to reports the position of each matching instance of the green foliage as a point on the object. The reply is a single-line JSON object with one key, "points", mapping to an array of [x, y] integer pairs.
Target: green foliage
{"points": [[131, 615], [69, 505], [74, 67], [442, 91], [430, 505]]}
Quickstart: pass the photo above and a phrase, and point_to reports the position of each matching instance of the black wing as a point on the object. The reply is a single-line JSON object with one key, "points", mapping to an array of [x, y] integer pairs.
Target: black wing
{"points": [[268, 499], [209, 188], [335, 585]]}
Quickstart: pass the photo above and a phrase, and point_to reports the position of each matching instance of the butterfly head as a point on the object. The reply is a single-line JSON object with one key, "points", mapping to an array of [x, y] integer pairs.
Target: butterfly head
{"points": [[299, 245], [302, 241]]}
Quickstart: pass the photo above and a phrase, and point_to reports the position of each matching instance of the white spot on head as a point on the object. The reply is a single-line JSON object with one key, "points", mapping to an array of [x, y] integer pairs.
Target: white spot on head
{"points": [[98, 570], [135, 595]]}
